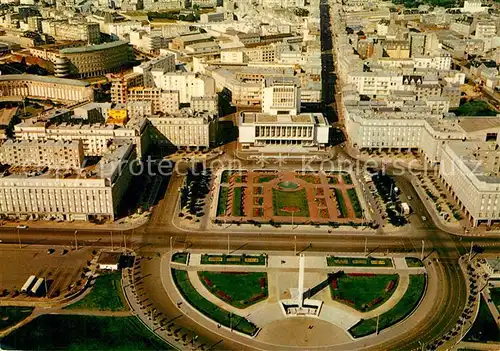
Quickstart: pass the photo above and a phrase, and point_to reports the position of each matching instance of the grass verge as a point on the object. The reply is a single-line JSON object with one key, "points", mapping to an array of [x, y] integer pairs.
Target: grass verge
{"points": [[234, 259], [403, 308], [413, 262], [209, 309], [106, 295], [180, 257], [222, 203], [358, 261]]}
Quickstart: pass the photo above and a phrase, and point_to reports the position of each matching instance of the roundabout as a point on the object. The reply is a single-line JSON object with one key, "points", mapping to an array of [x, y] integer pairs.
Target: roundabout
{"points": [[291, 301]]}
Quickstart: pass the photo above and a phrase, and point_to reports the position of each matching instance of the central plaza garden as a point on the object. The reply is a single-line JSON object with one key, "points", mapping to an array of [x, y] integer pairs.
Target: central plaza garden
{"points": [[282, 197]]}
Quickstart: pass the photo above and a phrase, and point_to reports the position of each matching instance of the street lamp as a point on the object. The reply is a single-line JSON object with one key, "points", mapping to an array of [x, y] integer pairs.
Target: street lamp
{"points": [[76, 240]]}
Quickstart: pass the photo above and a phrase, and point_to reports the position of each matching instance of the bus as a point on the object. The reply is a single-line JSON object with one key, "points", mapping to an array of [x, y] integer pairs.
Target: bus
{"points": [[26, 287], [35, 289]]}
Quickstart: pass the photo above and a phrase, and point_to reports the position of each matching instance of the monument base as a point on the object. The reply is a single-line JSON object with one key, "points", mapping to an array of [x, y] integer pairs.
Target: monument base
{"points": [[310, 308]]}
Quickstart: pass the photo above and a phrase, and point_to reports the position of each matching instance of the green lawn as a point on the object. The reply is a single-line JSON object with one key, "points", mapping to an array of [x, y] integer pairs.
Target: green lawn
{"points": [[209, 309], [291, 200], [248, 260], [180, 257], [341, 203], [239, 289], [358, 211], [264, 179], [347, 178], [106, 295], [413, 262], [333, 180], [222, 203], [71, 332], [238, 202], [484, 328], [495, 296], [309, 178], [226, 175], [359, 261], [475, 108], [364, 293], [403, 308], [11, 315]]}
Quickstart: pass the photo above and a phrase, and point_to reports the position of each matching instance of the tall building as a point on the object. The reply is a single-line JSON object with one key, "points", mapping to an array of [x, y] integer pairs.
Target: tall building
{"points": [[280, 97]]}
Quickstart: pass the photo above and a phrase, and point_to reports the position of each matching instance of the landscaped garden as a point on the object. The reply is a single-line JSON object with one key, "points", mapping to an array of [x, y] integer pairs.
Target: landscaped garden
{"points": [[106, 295], [359, 261], [273, 197], [341, 203], [209, 309], [239, 289], [248, 260], [11, 315], [363, 291], [238, 202], [285, 203], [358, 211], [74, 332], [180, 257], [222, 203], [403, 308], [413, 262]]}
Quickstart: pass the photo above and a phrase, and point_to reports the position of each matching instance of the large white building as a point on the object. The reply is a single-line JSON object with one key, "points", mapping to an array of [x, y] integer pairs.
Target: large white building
{"points": [[96, 137], [81, 194], [54, 154], [280, 96], [287, 133], [188, 84], [471, 171], [184, 131]]}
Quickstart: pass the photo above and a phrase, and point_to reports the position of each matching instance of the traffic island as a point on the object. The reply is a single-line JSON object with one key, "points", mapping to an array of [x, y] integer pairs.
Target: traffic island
{"points": [[238, 289], [336, 261], [208, 309], [244, 260], [363, 291], [403, 309]]}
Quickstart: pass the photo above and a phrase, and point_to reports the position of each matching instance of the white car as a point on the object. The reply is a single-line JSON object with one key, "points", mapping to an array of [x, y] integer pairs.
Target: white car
{"points": [[22, 226]]}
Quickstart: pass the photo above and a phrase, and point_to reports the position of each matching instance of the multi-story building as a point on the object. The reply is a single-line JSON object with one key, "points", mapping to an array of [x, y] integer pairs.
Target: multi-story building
{"points": [[163, 63], [77, 31], [183, 131], [162, 5], [288, 133], [121, 83], [96, 137], [53, 154], [188, 84], [204, 3], [163, 101], [471, 171], [281, 97], [28, 85], [82, 194], [95, 60], [208, 104]]}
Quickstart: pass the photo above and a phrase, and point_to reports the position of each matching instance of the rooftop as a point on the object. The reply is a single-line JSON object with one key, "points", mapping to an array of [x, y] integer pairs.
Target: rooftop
{"points": [[44, 79], [90, 48]]}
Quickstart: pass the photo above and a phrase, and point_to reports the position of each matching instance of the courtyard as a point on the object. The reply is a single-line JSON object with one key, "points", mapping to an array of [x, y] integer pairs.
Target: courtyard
{"points": [[288, 197]]}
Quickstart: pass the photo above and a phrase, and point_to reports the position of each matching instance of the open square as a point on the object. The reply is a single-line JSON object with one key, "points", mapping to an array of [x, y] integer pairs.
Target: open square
{"points": [[285, 197]]}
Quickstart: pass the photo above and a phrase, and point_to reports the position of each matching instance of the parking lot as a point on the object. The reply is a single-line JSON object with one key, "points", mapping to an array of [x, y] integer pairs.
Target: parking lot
{"points": [[60, 270]]}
